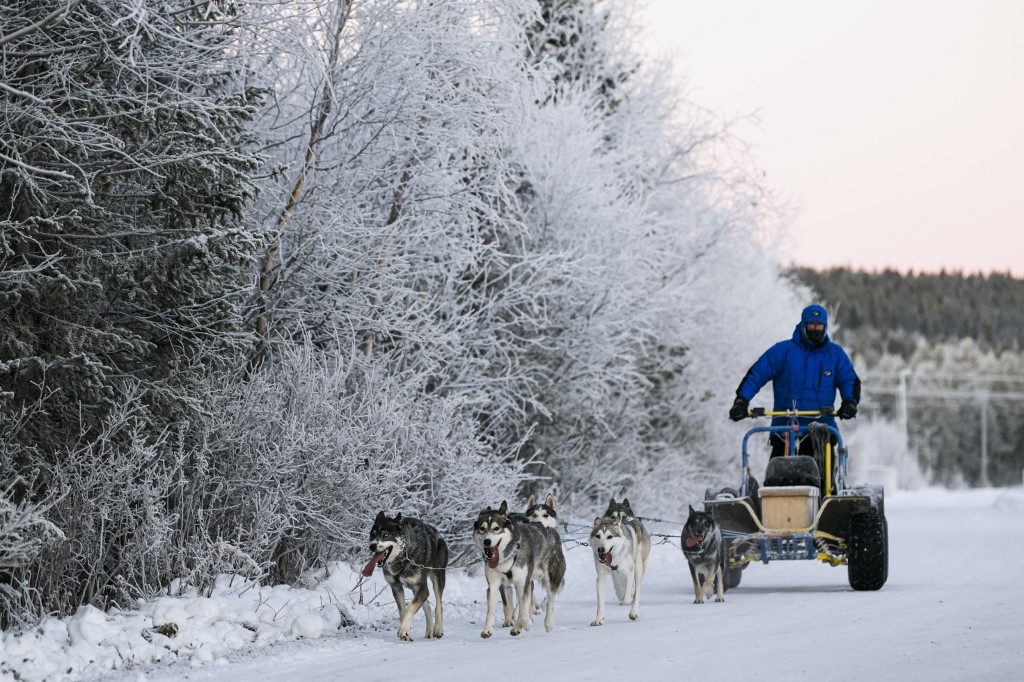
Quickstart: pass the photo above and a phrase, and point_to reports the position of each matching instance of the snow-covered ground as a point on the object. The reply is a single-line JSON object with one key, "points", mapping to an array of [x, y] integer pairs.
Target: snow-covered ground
{"points": [[953, 609]]}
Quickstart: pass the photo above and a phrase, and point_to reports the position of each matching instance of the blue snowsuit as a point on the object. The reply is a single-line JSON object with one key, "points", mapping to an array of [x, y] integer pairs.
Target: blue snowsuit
{"points": [[803, 372]]}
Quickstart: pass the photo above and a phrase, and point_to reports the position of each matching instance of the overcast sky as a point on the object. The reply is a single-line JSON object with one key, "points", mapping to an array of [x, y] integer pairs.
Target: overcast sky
{"points": [[895, 128]]}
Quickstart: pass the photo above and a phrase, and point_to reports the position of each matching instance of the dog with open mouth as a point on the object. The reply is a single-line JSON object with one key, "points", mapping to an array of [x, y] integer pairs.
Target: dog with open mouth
{"points": [[701, 540], [516, 551], [411, 554], [621, 546]]}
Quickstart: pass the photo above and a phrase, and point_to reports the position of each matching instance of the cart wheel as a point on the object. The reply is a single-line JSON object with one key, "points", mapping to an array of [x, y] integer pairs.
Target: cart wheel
{"points": [[868, 560], [885, 528]]}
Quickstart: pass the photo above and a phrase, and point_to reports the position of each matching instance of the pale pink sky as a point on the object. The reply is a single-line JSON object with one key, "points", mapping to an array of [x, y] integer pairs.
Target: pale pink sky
{"points": [[894, 128]]}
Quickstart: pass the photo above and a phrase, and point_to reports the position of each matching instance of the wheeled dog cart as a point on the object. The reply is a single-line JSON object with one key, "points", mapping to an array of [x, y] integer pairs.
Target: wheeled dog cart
{"points": [[804, 510]]}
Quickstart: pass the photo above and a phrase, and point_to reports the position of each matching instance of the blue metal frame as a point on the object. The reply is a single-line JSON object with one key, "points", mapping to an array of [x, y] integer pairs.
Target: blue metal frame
{"points": [[800, 430]]}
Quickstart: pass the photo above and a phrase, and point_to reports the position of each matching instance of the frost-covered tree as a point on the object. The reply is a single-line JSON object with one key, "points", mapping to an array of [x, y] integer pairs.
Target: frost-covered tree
{"points": [[658, 218], [124, 263], [393, 230], [124, 175], [583, 44]]}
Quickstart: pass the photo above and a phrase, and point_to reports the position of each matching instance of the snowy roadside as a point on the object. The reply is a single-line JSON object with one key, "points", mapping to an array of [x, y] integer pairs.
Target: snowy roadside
{"points": [[195, 628], [203, 631]]}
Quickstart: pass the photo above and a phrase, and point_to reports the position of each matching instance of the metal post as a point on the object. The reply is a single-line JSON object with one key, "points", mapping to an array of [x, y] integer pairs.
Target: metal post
{"points": [[983, 397], [904, 425]]}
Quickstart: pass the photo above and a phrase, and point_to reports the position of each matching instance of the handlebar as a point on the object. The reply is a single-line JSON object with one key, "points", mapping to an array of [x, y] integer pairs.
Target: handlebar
{"points": [[824, 411]]}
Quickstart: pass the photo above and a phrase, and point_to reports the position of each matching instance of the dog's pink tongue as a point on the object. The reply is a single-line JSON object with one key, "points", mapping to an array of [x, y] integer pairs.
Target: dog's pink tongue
{"points": [[495, 558], [607, 558], [368, 568], [692, 542]]}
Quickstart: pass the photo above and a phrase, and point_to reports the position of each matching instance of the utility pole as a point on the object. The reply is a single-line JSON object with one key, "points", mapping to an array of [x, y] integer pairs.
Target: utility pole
{"points": [[904, 424], [983, 399]]}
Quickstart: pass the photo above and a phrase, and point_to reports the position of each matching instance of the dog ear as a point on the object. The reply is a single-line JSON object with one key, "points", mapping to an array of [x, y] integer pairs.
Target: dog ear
{"points": [[691, 510], [503, 509], [380, 517], [625, 503], [532, 501], [398, 517], [550, 501], [597, 521]]}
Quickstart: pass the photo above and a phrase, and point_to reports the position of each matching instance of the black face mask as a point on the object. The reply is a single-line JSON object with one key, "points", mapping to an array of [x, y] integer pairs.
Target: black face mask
{"points": [[816, 336]]}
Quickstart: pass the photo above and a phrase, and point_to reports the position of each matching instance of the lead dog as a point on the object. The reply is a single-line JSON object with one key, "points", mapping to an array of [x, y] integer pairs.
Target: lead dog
{"points": [[620, 549], [410, 553], [517, 551], [702, 545]]}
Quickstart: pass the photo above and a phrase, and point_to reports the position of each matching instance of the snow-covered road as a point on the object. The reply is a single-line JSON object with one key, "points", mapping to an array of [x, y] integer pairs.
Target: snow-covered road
{"points": [[953, 609]]}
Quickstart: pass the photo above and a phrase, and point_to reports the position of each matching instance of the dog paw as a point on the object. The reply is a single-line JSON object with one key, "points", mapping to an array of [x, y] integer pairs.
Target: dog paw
{"points": [[515, 631], [486, 633], [599, 621], [698, 601], [438, 634], [405, 635], [719, 599], [633, 615]]}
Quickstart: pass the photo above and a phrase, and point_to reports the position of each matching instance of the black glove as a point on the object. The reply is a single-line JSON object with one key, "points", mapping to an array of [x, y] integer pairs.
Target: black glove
{"points": [[738, 410], [848, 410]]}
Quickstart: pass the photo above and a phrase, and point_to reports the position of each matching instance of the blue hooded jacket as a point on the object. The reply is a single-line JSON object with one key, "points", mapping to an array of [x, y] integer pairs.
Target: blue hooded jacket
{"points": [[803, 372]]}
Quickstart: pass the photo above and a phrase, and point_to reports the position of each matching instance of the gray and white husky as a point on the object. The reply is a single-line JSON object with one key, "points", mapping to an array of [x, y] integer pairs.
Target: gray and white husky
{"points": [[621, 547], [538, 512], [518, 551], [701, 540], [542, 512], [410, 552]]}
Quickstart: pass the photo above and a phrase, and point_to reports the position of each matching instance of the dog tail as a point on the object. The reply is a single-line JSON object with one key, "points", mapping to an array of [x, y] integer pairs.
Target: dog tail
{"points": [[556, 573]]}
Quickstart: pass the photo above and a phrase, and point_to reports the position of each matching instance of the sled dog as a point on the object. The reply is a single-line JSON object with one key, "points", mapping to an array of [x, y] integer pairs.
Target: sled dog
{"points": [[701, 540], [542, 512], [622, 511], [410, 552], [619, 511], [517, 552], [620, 548]]}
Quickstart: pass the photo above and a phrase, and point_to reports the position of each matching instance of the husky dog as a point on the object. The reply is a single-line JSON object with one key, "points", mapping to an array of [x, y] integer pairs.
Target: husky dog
{"points": [[623, 512], [410, 552], [702, 545], [536, 512], [619, 511], [542, 512], [518, 551], [620, 548]]}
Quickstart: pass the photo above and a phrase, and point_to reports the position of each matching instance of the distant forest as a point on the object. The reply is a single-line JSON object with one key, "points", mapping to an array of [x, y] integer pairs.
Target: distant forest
{"points": [[939, 307]]}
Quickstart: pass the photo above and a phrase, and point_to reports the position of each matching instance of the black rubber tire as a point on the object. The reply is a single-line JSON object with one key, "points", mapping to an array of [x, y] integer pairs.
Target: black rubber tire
{"points": [[868, 559], [885, 527]]}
